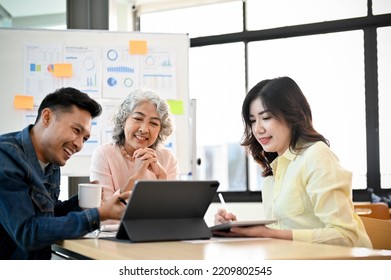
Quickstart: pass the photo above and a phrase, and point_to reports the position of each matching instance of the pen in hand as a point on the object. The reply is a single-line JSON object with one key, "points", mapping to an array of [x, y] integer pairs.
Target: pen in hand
{"points": [[223, 202], [123, 201]]}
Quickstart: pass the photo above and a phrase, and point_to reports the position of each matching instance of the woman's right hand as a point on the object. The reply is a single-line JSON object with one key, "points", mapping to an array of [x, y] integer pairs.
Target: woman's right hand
{"points": [[222, 216], [142, 161]]}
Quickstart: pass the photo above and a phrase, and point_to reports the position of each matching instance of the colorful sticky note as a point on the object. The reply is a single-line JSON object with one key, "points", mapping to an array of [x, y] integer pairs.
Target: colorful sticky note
{"points": [[62, 70], [23, 102], [138, 47], [176, 107]]}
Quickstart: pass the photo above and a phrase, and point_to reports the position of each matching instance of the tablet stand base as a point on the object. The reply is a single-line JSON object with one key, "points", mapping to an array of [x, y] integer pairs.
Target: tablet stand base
{"points": [[142, 230]]}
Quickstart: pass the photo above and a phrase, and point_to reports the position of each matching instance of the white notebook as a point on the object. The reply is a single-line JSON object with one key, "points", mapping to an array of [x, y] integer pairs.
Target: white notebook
{"points": [[229, 225]]}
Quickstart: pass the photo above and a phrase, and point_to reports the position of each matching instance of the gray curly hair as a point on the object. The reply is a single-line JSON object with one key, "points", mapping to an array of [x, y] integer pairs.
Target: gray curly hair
{"points": [[127, 106]]}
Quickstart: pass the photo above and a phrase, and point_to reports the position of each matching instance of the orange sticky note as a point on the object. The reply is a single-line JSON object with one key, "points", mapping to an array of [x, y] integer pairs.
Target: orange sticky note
{"points": [[138, 47], [23, 102], [62, 70]]}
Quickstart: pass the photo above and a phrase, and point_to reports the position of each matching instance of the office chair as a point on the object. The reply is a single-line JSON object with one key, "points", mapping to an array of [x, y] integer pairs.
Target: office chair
{"points": [[377, 210], [379, 231]]}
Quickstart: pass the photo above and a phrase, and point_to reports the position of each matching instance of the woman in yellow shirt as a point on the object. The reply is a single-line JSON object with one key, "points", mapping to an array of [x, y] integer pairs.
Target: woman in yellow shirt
{"points": [[305, 189]]}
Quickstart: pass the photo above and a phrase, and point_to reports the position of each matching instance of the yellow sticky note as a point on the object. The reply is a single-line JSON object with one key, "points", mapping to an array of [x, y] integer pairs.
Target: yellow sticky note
{"points": [[138, 47], [176, 107], [62, 70], [23, 102]]}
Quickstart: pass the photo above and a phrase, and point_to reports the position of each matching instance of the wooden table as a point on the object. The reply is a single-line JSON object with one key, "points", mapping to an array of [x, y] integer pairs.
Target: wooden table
{"points": [[213, 249]]}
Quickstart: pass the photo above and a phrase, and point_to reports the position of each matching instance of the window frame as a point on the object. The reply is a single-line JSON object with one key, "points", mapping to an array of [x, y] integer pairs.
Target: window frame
{"points": [[369, 25]]}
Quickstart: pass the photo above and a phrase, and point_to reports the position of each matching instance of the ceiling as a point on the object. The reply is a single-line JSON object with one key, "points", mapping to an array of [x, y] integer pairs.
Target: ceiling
{"points": [[52, 13], [27, 8]]}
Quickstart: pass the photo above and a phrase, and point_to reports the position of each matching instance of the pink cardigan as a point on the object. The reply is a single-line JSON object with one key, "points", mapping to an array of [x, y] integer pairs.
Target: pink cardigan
{"points": [[111, 168]]}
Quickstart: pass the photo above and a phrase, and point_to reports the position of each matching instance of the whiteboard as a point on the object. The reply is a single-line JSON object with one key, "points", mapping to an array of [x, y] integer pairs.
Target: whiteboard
{"points": [[19, 76]]}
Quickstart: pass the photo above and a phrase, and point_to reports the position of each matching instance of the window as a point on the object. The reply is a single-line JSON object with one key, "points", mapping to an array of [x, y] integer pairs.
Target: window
{"points": [[381, 7], [318, 43], [217, 82], [329, 69], [384, 69], [196, 21], [263, 14]]}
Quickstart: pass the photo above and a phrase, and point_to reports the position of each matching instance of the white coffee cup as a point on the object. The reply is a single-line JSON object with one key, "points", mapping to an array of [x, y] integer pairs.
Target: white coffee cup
{"points": [[90, 195]]}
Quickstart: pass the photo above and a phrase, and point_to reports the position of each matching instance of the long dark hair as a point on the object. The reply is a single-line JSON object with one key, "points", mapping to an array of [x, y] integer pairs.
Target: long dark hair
{"points": [[284, 101]]}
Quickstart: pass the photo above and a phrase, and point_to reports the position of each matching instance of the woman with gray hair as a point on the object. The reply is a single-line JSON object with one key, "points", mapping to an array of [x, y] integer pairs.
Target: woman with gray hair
{"points": [[141, 125]]}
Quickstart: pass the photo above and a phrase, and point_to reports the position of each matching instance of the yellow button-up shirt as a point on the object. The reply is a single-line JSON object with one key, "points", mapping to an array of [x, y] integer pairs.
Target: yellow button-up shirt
{"points": [[311, 194]]}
